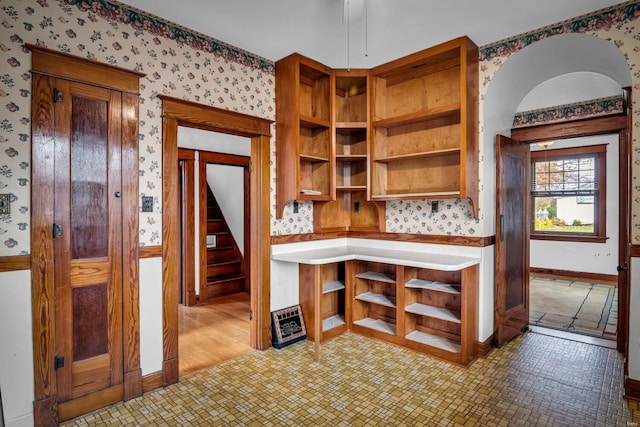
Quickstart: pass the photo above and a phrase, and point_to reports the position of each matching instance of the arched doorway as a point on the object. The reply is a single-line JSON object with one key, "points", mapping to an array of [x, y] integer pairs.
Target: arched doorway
{"points": [[518, 76]]}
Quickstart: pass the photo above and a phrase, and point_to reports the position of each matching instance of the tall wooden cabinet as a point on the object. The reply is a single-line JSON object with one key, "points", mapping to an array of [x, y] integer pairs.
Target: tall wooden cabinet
{"points": [[350, 139]]}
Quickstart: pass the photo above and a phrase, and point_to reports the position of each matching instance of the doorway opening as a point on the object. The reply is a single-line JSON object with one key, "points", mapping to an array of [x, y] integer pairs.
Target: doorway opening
{"points": [[557, 255], [177, 113], [574, 215], [214, 305]]}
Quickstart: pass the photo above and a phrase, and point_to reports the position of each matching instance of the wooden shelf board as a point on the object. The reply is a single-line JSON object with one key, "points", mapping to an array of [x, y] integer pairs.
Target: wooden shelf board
{"points": [[351, 187], [432, 194], [447, 111], [433, 285], [332, 322], [372, 275], [421, 155], [314, 122], [350, 157], [332, 286], [355, 126], [313, 159], [377, 324], [435, 341], [374, 298], [431, 311]]}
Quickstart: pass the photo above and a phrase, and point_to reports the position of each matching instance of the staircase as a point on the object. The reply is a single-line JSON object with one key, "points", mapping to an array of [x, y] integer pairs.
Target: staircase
{"points": [[225, 263]]}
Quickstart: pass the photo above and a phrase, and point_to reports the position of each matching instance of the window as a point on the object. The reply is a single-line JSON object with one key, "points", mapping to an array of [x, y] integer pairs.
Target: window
{"points": [[568, 189]]}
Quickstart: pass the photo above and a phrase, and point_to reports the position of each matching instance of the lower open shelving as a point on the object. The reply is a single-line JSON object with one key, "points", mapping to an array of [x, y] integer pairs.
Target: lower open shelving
{"points": [[430, 310]]}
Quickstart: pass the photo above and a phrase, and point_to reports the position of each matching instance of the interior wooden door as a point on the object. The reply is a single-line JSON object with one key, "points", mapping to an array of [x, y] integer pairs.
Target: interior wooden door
{"points": [[88, 246], [513, 167]]}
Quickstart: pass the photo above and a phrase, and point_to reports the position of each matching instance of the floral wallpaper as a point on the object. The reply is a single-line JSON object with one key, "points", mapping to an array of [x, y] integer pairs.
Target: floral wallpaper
{"points": [[188, 65], [618, 25], [561, 113]]}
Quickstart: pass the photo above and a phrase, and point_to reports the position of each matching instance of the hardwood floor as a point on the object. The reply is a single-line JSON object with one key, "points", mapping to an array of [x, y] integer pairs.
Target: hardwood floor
{"points": [[211, 333]]}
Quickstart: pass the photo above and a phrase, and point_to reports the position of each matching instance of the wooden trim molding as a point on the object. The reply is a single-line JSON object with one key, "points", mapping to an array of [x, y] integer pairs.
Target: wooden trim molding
{"points": [[15, 263], [576, 129], [417, 238], [609, 279], [177, 112], [632, 389], [151, 381], [59, 64], [634, 251], [483, 349], [150, 251]]}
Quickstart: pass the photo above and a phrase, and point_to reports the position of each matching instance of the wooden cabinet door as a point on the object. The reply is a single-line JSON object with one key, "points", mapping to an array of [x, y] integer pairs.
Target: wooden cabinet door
{"points": [[513, 166], [87, 244]]}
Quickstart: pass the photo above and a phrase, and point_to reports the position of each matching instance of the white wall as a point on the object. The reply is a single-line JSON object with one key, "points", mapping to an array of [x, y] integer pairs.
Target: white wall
{"points": [[634, 320], [16, 350], [151, 315], [584, 257]]}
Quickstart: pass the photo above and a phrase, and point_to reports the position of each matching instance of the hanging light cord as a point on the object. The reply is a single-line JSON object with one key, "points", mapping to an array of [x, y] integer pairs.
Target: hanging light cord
{"points": [[348, 32], [366, 29]]}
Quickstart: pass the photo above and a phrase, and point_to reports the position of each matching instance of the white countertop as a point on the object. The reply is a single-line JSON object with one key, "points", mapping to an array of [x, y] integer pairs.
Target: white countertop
{"points": [[326, 255]]}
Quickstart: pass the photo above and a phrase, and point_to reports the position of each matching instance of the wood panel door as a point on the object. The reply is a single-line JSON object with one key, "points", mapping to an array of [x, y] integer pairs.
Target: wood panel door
{"points": [[513, 166], [88, 244]]}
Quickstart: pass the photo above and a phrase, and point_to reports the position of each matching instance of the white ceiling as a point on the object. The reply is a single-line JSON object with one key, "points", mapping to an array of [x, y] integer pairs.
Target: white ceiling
{"points": [[388, 30]]}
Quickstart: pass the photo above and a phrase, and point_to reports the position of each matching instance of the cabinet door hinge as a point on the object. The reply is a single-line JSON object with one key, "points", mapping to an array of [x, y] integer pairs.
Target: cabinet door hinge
{"points": [[57, 230], [57, 95], [58, 362], [250, 166], [250, 314]]}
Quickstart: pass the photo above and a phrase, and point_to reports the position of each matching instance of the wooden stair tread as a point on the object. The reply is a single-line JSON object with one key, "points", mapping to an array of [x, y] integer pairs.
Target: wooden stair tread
{"points": [[225, 278]]}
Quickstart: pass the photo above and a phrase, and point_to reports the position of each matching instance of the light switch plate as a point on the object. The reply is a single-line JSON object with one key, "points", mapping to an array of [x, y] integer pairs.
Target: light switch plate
{"points": [[5, 204]]}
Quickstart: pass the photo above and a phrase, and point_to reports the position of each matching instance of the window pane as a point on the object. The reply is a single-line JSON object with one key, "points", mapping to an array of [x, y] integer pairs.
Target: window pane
{"points": [[569, 214]]}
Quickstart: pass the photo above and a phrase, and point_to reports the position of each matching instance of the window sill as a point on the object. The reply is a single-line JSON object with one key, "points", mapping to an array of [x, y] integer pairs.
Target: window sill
{"points": [[569, 238]]}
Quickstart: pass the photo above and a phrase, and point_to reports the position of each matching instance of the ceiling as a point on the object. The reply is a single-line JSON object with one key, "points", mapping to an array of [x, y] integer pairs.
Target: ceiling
{"points": [[371, 33]]}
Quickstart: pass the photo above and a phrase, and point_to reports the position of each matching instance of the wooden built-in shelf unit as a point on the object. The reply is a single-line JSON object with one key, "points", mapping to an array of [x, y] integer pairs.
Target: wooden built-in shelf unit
{"points": [[428, 310], [304, 145], [424, 125], [327, 284], [353, 139]]}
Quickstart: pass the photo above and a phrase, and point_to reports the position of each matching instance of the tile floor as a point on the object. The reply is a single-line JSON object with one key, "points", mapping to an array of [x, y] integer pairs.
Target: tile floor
{"points": [[577, 307], [535, 380]]}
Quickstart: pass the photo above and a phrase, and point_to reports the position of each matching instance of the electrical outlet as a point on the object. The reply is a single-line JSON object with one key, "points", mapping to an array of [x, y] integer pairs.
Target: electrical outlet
{"points": [[147, 204], [296, 206], [434, 206], [5, 204]]}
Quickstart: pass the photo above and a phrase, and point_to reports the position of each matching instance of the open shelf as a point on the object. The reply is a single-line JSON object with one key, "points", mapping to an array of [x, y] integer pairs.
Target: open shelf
{"points": [[420, 155], [375, 299], [434, 341], [434, 285], [373, 275], [451, 112], [332, 286], [435, 312], [377, 325], [314, 122], [332, 322]]}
